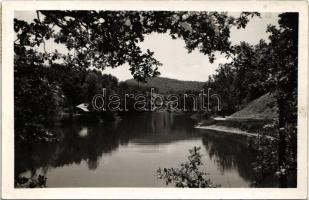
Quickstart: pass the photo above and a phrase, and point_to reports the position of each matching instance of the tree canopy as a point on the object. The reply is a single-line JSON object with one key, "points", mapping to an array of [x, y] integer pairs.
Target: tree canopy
{"points": [[110, 38]]}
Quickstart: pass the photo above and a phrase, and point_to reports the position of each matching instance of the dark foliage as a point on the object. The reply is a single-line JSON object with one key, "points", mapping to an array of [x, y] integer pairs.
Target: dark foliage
{"points": [[189, 174], [256, 70], [23, 182]]}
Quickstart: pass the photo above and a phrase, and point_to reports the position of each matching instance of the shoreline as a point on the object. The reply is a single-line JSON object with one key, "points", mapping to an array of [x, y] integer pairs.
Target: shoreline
{"points": [[229, 130]]}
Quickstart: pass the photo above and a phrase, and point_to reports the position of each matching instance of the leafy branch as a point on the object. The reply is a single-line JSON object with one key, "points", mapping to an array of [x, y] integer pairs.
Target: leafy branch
{"points": [[189, 174]]}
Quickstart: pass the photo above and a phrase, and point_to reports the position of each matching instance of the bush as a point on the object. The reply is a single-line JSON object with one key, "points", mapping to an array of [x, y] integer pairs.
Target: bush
{"points": [[266, 147], [189, 174]]}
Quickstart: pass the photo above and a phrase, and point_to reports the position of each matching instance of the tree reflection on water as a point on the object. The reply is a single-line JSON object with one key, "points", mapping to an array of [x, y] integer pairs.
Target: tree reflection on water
{"points": [[230, 152], [89, 142]]}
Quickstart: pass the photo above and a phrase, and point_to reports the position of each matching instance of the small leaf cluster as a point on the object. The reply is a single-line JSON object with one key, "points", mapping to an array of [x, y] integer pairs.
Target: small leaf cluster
{"points": [[189, 174]]}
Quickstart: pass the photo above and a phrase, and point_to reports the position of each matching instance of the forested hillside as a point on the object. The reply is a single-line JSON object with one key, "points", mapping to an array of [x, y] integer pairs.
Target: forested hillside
{"points": [[167, 85]]}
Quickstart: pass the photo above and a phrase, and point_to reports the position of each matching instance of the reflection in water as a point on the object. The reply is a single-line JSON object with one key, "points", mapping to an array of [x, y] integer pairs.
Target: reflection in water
{"points": [[127, 153], [230, 152], [83, 132]]}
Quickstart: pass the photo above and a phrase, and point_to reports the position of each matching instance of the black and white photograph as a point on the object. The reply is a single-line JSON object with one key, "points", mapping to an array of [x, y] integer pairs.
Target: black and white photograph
{"points": [[164, 98]]}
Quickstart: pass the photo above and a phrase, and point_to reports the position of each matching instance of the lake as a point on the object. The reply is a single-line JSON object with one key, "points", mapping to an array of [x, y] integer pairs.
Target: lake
{"points": [[127, 153]]}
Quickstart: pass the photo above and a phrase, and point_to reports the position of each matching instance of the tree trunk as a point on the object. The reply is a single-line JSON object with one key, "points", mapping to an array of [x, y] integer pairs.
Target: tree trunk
{"points": [[282, 140]]}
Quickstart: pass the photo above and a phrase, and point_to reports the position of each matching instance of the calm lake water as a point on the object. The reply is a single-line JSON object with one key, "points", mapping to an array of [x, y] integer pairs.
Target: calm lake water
{"points": [[128, 153]]}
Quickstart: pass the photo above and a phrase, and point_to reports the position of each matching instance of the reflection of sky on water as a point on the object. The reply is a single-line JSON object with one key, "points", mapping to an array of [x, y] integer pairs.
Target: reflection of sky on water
{"points": [[129, 153]]}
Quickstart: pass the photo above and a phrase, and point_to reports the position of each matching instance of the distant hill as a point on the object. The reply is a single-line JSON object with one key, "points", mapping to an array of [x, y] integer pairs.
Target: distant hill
{"points": [[165, 85], [264, 107]]}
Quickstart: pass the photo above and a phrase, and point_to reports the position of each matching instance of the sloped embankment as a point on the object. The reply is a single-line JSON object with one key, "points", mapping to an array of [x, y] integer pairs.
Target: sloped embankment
{"points": [[264, 108], [249, 120]]}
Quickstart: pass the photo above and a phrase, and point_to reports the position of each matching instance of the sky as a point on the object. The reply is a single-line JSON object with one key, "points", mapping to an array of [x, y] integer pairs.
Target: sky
{"points": [[177, 62]]}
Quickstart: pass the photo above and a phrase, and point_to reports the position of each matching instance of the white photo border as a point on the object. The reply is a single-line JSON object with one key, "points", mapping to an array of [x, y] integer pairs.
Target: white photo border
{"points": [[8, 190]]}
